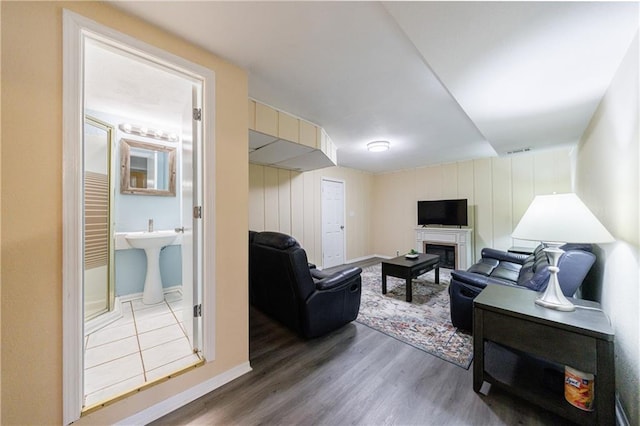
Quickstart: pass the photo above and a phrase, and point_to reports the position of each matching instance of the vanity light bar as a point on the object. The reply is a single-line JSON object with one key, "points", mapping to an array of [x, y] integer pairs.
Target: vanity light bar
{"points": [[148, 132]]}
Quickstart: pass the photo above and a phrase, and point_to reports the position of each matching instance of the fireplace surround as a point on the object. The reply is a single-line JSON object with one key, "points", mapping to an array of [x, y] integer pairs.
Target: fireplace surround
{"points": [[454, 245]]}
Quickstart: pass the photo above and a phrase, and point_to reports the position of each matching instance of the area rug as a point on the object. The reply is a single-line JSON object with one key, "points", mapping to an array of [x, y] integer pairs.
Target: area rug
{"points": [[425, 323]]}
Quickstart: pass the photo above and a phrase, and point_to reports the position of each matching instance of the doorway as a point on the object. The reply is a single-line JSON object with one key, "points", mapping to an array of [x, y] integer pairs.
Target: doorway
{"points": [[153, 332], [156, 100], [333, 232]]}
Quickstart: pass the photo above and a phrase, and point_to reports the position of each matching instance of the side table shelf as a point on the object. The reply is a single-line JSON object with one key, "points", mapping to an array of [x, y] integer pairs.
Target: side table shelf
{"points": [[516, 343]]}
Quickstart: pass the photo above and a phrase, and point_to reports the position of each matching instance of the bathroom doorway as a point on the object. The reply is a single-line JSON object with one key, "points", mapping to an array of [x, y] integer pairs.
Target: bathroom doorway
{"points": [[144, 136], [152, 332]]}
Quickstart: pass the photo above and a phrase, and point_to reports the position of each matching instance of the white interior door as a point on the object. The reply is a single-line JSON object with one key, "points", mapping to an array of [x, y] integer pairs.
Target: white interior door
{"points": [[191, 238], [332, 223]]}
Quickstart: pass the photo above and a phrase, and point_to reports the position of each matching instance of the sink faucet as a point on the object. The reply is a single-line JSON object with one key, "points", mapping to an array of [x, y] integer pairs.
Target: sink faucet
{"points": [[150, 228]]}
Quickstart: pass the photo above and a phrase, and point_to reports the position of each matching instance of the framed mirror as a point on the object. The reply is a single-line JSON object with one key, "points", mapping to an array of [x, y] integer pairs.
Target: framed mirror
{"points": [[147, 168]]}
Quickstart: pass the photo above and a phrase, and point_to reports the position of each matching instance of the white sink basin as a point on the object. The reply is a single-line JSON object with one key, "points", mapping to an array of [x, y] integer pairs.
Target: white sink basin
{"points": [[151, 243], [146, 240]]}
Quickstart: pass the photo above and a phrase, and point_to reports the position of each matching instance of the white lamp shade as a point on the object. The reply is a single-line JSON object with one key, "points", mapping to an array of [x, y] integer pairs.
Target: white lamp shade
{"points": [[561, 218]]}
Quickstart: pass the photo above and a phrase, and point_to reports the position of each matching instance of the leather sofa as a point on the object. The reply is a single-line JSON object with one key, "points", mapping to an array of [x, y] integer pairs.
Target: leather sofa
{"points": [[517, 270], [283, 285]]}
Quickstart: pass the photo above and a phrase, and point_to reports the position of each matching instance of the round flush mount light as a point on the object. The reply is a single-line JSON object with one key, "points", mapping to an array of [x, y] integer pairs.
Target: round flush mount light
{"points": [[378, 146]]}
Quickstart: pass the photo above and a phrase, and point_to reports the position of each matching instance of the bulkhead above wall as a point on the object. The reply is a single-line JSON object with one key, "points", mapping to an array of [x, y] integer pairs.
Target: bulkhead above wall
{"points": [[278, 139]]}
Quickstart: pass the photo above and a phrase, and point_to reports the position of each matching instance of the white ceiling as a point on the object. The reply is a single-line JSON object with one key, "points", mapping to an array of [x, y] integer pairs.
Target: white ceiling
{"points": [[442, 81], [129, 87]]}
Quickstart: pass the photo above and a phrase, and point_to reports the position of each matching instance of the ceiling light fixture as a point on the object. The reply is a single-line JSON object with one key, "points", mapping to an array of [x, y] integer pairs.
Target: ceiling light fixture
{"points": [[378, 146]]}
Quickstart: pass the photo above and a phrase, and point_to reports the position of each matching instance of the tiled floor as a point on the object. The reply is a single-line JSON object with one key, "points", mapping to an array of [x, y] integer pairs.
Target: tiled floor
{"points": [[147, 343]]}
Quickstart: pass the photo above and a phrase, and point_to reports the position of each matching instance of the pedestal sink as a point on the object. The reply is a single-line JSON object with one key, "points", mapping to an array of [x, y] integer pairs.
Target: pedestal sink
{"points": [[152, 243]]}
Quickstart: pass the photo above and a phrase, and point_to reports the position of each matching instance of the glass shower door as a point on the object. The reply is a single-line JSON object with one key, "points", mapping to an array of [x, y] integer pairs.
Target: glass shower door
{"points": [[98, 253]]}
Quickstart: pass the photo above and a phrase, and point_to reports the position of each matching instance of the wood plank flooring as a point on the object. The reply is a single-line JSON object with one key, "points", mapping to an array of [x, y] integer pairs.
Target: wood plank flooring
{"points": [[353, 376]]}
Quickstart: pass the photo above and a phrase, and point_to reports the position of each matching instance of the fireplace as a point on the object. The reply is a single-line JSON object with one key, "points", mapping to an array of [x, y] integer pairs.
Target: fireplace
{"points": [[447, 253], [457, 241]]}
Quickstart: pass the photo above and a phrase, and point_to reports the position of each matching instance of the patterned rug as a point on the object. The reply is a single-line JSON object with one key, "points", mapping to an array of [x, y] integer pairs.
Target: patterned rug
{"points": [[425, 323]]}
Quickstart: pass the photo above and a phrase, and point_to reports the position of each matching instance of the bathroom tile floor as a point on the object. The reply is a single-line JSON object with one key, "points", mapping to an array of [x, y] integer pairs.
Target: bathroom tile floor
{"points": [[147, 343]]}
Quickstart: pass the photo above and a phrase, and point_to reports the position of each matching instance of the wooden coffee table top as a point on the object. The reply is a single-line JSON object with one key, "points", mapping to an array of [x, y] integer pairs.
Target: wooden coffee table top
{"points": [[401, 267], [410, 263]]}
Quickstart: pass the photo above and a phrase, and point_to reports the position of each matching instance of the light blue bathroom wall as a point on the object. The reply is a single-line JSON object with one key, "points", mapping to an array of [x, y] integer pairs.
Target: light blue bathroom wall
{"points": [[132, 213]]}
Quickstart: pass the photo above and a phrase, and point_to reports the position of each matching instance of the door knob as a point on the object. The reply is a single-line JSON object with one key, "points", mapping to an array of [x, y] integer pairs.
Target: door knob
{"points": [[180, 229], [341, 226]]}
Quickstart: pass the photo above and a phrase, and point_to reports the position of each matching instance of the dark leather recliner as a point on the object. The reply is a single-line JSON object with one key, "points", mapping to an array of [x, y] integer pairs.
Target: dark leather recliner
{"points": [[516, 270], [282, 286]]}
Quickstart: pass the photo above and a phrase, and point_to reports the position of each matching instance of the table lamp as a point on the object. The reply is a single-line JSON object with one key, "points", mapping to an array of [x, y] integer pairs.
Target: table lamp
{"points": [[554, 220]]}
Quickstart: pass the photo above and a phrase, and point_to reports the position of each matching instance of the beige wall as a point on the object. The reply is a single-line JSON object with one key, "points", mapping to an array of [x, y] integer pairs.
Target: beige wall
{"points": [[498, 191], [289, 202], [31, 298], [0, 219], [607, 180]]}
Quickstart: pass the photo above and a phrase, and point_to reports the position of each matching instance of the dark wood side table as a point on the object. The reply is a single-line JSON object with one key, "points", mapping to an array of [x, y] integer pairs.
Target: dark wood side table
{"points": [[582, 339], [401, 267]]}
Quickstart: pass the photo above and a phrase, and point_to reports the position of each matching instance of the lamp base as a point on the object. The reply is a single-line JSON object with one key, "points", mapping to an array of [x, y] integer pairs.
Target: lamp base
{"points": [[553, 298], [557, 306]]}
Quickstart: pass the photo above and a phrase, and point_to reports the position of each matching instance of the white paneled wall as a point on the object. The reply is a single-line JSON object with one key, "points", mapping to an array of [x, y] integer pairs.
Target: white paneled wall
{"points": [[483, 206], [290, 202], [502, 208], [498, 190], [381, 209]]}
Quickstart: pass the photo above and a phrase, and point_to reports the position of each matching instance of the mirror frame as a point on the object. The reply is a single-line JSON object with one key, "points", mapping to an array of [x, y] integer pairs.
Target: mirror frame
{"points": [[125, 168]]}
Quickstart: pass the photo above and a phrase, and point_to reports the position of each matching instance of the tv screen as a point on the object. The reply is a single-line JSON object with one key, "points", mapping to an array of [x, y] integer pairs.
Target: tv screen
{"points": [[443, 212]]}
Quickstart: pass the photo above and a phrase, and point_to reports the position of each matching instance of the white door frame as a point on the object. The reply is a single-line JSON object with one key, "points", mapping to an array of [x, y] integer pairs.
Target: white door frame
{"points": [[344, 221], [191, 173], [76, 29]]}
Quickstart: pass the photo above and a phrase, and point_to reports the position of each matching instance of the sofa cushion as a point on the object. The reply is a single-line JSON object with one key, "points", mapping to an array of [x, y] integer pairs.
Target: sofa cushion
{"points": [[484, 267], [507, 271], [503, 256]]}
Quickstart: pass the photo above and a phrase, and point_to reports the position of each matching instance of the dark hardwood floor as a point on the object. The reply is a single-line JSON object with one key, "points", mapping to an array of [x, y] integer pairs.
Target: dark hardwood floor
{"points": [[353, 376]]}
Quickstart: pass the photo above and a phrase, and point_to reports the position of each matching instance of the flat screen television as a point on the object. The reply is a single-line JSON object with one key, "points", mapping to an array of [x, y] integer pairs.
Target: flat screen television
{"points": [[443, 212]]}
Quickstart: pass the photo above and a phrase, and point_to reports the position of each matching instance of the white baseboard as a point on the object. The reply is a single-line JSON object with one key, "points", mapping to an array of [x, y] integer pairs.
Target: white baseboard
{"points": [[173, 403], [133, 296], [621, 416], [360, 259], [383, 256], [371, 256]]}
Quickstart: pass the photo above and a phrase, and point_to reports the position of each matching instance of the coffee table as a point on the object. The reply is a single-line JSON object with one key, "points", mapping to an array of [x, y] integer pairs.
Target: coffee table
{"points": [[401, 267]]}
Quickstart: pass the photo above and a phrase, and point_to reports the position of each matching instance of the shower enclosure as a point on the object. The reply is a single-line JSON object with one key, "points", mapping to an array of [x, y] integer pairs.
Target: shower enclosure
{"points": [[99, 292]]}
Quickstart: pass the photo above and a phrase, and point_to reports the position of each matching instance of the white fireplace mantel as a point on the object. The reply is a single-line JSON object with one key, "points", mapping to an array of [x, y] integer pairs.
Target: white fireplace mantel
{"points": [[461, 238]]}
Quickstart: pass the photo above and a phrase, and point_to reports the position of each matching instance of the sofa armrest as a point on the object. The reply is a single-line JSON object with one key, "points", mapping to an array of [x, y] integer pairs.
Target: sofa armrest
{"points": [[504, 255], [574, 266], [338, 278], [470, 278], [461, 304]]}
